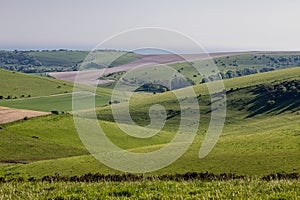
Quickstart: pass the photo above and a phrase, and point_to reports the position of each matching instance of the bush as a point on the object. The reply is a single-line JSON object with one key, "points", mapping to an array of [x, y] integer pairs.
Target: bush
{"points": [[54, 112]]}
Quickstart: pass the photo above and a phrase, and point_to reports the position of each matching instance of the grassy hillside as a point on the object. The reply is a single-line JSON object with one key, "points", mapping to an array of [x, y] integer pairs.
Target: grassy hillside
{"points": [[31, 145], [252, 143], [20, 85]]}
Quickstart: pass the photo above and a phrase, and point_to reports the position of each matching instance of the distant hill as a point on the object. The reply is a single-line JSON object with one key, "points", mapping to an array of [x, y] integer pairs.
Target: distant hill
{"points": [[60, 60], [228, 66]]}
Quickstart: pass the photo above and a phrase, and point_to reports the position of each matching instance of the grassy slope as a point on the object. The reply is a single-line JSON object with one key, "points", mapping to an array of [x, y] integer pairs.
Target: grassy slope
{"points": [[35, 145], [16, 84], [259, 145]]}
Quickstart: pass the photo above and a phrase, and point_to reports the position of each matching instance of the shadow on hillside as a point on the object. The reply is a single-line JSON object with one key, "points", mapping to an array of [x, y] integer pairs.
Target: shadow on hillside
{"points": [[273, 101]]}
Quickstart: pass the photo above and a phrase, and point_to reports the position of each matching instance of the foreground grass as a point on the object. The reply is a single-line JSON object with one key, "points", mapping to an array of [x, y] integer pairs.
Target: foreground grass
{"points": [[232, 189]]}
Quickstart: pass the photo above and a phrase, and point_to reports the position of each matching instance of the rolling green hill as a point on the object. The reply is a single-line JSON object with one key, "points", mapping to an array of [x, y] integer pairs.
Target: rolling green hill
{"points": [[261, 133]]}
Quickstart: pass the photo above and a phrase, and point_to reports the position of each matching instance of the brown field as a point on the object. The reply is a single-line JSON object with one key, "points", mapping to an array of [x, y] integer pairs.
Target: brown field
{"points": [[90, 77], [10, 115]]}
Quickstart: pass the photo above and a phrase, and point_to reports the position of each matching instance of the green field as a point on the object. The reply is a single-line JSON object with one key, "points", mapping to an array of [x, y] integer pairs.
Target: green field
{"points": [[232, 189], [62, 102], [251, 143]]}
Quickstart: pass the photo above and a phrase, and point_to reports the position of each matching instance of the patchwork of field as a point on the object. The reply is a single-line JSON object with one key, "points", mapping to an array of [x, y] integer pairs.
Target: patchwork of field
{"points": [[10, 115], [91, 77]]}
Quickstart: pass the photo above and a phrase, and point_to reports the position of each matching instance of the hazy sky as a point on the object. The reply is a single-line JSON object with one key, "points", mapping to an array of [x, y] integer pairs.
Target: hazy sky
{"points": [[216, 24]]}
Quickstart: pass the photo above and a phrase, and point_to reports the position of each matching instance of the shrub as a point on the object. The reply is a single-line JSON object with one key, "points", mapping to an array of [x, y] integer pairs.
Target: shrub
{"points": [[55, 112]]}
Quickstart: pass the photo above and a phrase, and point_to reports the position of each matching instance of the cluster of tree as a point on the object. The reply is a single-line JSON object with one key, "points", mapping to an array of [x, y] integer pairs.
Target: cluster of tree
{"points": [[229, 74], [17, 58], [281, 91], [21, 61], [35, 69], [11, 97], [158, 85], [150, 87], [266, 69], [266, 60]]}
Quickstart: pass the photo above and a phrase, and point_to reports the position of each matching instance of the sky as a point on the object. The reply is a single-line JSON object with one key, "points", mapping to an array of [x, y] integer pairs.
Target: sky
{"points": [[218, 25]]}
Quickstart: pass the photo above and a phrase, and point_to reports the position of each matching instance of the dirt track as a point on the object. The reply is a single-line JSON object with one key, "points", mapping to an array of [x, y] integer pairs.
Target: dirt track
{"points": [[90, 77], [10, 114]]}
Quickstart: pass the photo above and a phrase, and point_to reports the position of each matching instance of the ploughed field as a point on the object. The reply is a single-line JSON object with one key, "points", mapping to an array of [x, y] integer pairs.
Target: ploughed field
{"points": [[10, 115]]}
